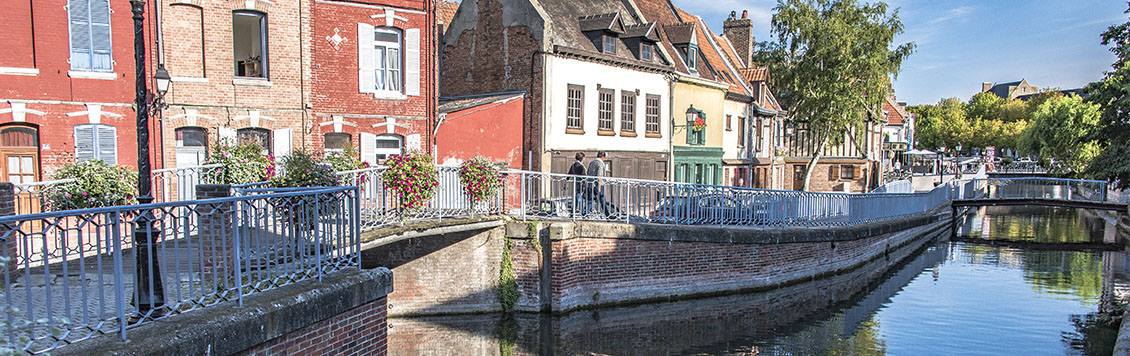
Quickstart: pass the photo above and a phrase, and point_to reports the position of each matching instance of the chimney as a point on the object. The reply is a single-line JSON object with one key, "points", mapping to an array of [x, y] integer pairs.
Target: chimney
{"points": [[740, 33], [985, 86]]}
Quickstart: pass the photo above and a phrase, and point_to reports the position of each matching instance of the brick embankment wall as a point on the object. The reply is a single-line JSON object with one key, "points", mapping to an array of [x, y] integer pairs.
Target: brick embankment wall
{"points": [[604, 264], [343, 314]]}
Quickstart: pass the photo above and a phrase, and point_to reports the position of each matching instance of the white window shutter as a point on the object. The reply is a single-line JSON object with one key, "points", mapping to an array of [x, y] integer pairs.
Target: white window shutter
{"points": [[227, 135], [100, 34], [84, 143], [413, 142], [412, 62], [369, 148], [107, 144], [366, 67], [282, 143]]}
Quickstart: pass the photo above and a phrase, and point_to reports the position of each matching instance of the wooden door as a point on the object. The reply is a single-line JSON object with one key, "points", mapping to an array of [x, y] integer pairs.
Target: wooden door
{"points": [[19, 158], [798, 176]]}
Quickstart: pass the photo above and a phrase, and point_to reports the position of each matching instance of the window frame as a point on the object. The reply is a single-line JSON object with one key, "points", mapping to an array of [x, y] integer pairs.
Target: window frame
{"points": [[268, 144], [651, 120], [383, 72], [692, 58], [729, 122], [89, 65], [645, 51], [606, 111], [608, 44], [326, 139], [847, 172], [377, 151], [575, 115], [264, 57], [628, 113]]}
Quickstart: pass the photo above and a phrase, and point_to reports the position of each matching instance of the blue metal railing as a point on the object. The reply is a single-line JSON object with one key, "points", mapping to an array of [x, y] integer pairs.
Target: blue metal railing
{"points": [[71, 275]]}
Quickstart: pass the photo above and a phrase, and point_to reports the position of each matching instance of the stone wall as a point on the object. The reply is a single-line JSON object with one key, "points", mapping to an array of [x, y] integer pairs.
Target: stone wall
{"points": [[341, 314], [563, 266]]}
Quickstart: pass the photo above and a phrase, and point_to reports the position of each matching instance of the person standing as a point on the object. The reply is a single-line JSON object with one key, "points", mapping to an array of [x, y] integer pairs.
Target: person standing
{"points": [[579, 187], [598, 169]]}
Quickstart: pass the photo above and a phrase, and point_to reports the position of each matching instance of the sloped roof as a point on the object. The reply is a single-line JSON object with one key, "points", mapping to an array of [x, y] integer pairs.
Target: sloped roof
{"points": [[713, 56], [450, 104], [728, 50], [1001, 89], [680, 33], [446, 10], [602, 22], [756, 74], [568, 21], [648, 31], [661, 13], [896, 114]]}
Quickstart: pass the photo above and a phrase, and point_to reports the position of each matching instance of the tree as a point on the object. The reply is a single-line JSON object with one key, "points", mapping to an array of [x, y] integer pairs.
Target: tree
{"points": [[942, 125], [1113, 96], [1059, 129], [838, 60]]}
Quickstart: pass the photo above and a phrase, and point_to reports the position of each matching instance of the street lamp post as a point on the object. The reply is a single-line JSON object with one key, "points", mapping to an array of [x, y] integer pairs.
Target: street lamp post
{"points": [[149, 290]]}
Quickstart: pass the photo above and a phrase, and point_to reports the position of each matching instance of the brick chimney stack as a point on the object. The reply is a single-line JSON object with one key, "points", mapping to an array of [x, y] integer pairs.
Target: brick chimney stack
{"points": [[985, 86], [740, 33]]}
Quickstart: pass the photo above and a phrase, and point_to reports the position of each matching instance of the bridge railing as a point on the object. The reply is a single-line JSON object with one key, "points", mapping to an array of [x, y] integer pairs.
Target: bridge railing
{"points": [[72, 275], [380, 206], [1041, 188], [179, 184], [547, 195]]}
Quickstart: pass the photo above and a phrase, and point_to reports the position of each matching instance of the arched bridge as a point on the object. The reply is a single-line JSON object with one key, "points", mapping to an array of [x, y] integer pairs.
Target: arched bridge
{"points": [[1070, 193]]}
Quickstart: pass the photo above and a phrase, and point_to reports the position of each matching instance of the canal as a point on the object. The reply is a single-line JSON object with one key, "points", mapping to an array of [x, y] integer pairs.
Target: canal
{"points": [[1015, 281]]}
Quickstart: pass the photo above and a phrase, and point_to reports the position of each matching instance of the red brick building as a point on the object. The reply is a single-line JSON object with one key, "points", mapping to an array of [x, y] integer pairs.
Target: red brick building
{"points": [[487, 125], [66, 86], [374, 77]]}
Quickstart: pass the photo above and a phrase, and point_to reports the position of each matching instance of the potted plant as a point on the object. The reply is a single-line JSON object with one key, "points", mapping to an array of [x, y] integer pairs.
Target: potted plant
{"points": [[481, 179], [412, 179]]}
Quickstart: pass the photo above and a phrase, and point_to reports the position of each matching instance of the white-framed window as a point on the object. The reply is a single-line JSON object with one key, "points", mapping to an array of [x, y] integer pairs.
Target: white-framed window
{"points": [[249, 43], [91, 48], [645, 51], [388, 61], [337, 141], [96, 142], [192, 146], [256, 135], [609, 44], [692, 58]]}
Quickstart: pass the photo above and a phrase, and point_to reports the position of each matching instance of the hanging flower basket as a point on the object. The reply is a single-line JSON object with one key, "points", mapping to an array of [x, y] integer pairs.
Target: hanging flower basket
{"points": [[699, 122]]}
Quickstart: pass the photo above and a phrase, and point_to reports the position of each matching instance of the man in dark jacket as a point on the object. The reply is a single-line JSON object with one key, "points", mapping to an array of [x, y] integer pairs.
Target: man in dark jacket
{"points": [[580, 202], [598, 169]]}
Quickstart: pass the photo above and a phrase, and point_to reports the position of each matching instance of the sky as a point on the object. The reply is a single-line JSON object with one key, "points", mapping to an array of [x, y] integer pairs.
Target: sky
{"points": [[962, 43]]}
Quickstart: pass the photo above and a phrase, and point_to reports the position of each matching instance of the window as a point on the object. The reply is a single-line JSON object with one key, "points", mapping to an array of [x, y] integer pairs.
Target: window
{"points": [[338, 141], [645, 51], [90, 35], [728, 119], [609, 44], [692, 58], [249, 40], [628, 112], [741, 131], [388, 145], [847, 171], [574, 113], [652, 114], [259, 136], [387, 73], [192, 146], [604, 110], [96, 142]]}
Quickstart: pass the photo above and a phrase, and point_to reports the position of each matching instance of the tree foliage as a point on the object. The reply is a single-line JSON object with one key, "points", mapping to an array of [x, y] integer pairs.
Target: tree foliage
{"points": [[1113, 95], [987, 120], [1059, 130], [838, 59]]}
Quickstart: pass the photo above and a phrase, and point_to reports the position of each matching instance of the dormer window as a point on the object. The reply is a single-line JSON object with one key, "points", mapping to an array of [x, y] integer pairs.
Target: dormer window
{"points": [[692, 58], [645, 52], [609, 44]]}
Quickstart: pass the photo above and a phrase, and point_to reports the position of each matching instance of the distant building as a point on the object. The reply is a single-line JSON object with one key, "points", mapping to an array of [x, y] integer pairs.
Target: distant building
{"points": [[1010, 90], [898, 133]]}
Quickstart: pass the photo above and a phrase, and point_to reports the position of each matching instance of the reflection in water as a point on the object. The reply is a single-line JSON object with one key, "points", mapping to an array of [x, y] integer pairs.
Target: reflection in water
{"points": [[1034, 224], [948, 298]]}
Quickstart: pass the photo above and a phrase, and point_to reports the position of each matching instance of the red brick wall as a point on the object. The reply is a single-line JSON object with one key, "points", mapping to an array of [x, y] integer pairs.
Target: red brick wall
{"points": [[53, 91], [360, 331], [335, 83], [491, 130]]}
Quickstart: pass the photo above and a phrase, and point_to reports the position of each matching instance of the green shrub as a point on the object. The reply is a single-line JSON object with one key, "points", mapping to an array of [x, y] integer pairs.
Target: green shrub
{"points": [[96, 184], [299, 169], [345, 160], [412, 178], [241, 163]]}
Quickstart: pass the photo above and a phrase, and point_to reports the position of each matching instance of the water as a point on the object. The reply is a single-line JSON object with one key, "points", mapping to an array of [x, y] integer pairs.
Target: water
{"points": [[949, 298]]}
